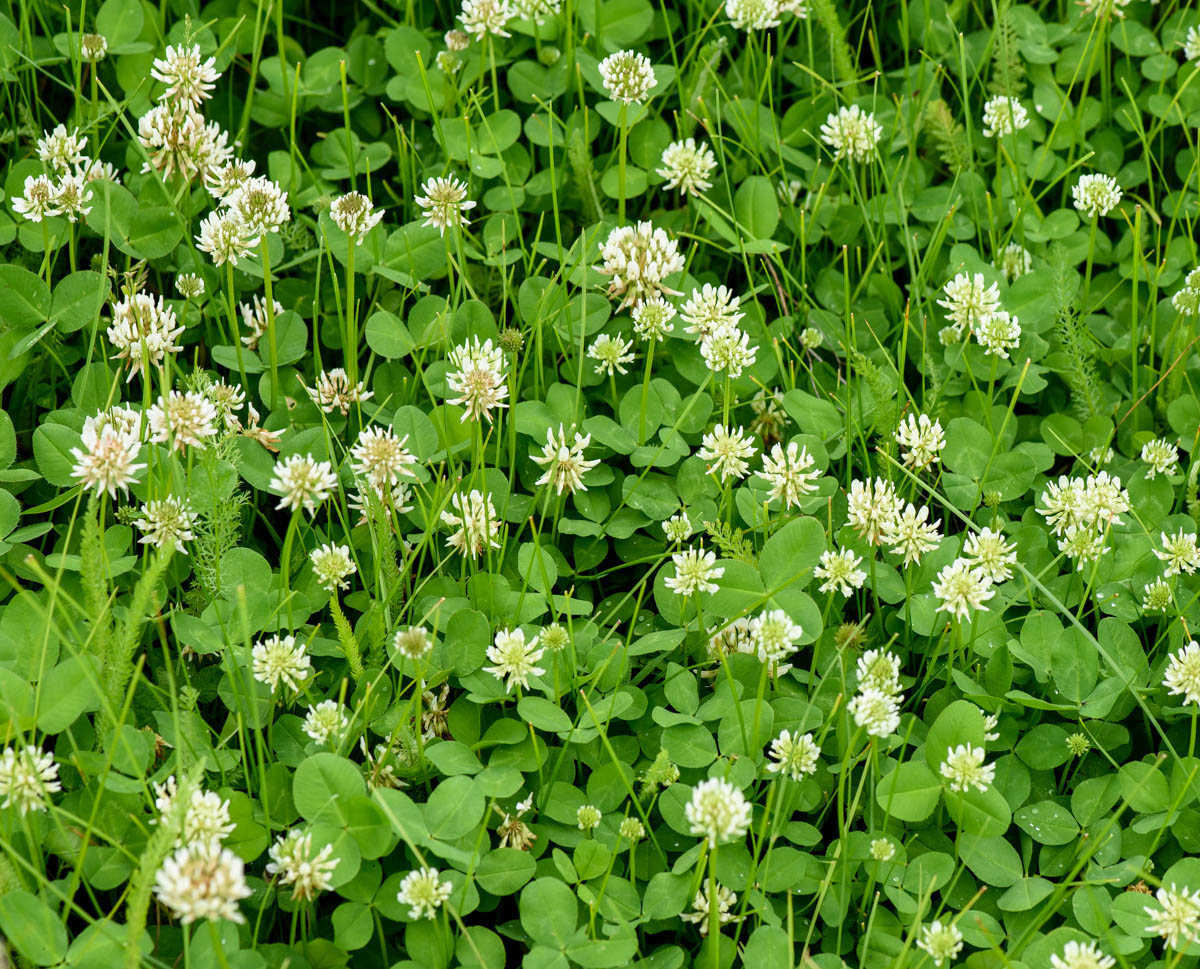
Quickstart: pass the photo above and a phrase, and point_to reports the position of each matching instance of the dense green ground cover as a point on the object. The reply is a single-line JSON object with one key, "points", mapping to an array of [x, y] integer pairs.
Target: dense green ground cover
{"points": [[480, 484]]}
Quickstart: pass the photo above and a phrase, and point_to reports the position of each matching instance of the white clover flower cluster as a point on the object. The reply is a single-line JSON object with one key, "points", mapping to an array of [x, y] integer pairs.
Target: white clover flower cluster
{"points": [[515, 658], [922, 441], [1187, 300], [295, 864], [564, 462], [1003, 116], [852, 133], [1081, 513], [964, 768], [973, 308], [627, 76], [876, 705], [65, 187], [699, 914], [205, 816], [718, 812], [445, 203], [28, 775], [687, 165], [475, 523], [107, 462], [143, 331], [638, 259], [202, 880], [793, 755], [1096, 195]]}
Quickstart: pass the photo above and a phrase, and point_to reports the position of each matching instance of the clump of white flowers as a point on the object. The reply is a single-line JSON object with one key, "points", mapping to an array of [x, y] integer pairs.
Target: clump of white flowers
{"points": [[911, 534], [445, 204], [303, 482], [1180, 553], [1182, 676], [699, 915], [969, 300], [27, 776], [354, 215], [1096, 195], [695, 571], [718, 812], [1013, 260], [332, 565], [1177, 916], [728, 451], [876, 706], [564, 462], [961, 587], [1187, 300], [515, 658], [202, 880], [852, 133], [789, 472], [872, 506], [627, 76], [687, 165], [943, 942], [921, 440], [334, 390], [475, 523], [638, 259], [964, 768], [107, 462], [1161, 457], [611, 353], [1003, 116], [294, 864], [1082, 955], [280, 660], [753, 14], [167, 523], [477, 376], [424, 892], [325, 722], [794, 755], [840, 570]]}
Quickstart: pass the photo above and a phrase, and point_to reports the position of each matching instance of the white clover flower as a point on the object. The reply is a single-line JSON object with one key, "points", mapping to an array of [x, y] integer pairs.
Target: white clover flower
{"points": [[108, 461], [911, 534], [964, 768], [381, 457], [1014, 260], [631, 830], [987, 551], [412, 642], [476, 523], [71, 196], [144, 330], [638, 259], [872, 506], [515, 658], [183, 419], [334, 391], [699, 916], [178, 141], [942, 942], [564, 463], [961, 587], [38, 201], [852, 133], [225, 237], [202, 881], [1179, 552], [752, 14], [922, 441], [326, 721], [652, 319], [1003, 116], [628, 76], [28, 775], [61, 151], [969, 301], [539, 11], [727, 348], [998, 334], [260, 204], [445, 203], [878, 713], [354, 215], [256, 319], [774, 637], [277, 660], [332, 566], [206, 817], [796, 756], [710, 308], [718, 812], [788, 473], [93, 48], [695, 571], [303, 482], [1182, 676], [1105, 499], [728, 451], [555, 638], [1177, 917], [878, 669], [1084, 546], [588, 817], [1187, 300], [611, 353], [167, 522], [482, 17], [190, 285], [840, 570], [1082, 955], [423, 889], [225, 179], [188, 75], [1161, 456], [733, 638], [1191, 44], [293, 863], [687, 166], [1096, 195], [477, 376], [1156, 596], [1103, 9], [677, 528], [1065, 504], [882, 849]]}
